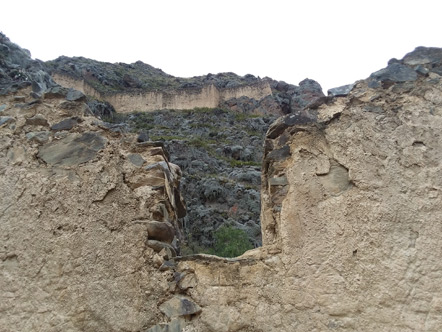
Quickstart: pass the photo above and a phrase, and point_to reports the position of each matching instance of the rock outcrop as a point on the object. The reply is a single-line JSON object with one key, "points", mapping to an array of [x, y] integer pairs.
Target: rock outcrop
{"points": [[18, 70]]}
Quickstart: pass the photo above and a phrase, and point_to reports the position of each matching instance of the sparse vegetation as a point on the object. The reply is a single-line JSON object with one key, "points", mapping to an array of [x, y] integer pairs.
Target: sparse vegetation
{"points": [[230, 242], [213, 147]]}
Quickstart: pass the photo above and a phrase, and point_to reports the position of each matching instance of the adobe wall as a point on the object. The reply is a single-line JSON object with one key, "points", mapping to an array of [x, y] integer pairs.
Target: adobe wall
{"points": [[207, 96]]}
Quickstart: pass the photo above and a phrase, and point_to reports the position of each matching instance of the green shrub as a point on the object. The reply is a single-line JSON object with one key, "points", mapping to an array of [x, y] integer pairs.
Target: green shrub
{"points": [[230, 242]]}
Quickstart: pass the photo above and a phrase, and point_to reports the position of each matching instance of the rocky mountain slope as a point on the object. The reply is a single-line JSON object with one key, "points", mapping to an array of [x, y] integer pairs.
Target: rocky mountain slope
{"points": [[18, 70], [219, 149], [219, 153]]}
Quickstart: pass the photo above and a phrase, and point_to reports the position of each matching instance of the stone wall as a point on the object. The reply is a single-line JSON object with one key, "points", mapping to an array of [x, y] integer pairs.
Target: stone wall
{"points": [[87, 215], [207, 96]]}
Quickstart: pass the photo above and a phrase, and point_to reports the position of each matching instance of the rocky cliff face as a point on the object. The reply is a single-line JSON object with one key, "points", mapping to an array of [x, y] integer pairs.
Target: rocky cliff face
{"points": [[213, 125], [216, 136], [18, 70], [351, 208]]}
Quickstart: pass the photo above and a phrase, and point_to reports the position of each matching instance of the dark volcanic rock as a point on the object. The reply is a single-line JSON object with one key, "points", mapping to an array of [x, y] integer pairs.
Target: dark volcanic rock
{"points": [[136, 159], [18, 70], [75, 95], [423, 56], [40, 137], [66, 124], [284, 122], [307, 92], [72, 150], [340, 91], [395, 72], [143, 136], [101, 109], [56, 92]]}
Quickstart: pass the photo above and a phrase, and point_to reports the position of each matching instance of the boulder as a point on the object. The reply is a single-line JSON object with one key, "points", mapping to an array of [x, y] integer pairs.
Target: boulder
{"points": [[160, 230], [74, 149], [37, 120], [136, 159], [423, 55], [75, 95], [66, 124], [340, 91], [143, 136], [40, 137], [395, 72], [179, 305]]}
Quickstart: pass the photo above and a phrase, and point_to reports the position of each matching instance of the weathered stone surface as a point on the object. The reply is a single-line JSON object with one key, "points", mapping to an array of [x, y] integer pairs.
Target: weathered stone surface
{"points": [[284, 122], [176, 325], [6, 119], [423, 55], [74, 149], [56, 92], [179, 306], [340, 91], [37, 120], [167, 265], [159, 246], [66, 124], [160, 231], [395, 72], [143, 137], [75, 95], [278, 181], [19, 71], [351, 227], [40, 137], [186, 280], [136, 159]]}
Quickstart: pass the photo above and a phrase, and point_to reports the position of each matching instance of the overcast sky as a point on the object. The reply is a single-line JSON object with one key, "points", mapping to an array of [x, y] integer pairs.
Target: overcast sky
{"points": [[333, 42]]}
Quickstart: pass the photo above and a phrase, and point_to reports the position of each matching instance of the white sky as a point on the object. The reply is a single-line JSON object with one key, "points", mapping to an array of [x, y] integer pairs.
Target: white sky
{"points": [[334, 42]]}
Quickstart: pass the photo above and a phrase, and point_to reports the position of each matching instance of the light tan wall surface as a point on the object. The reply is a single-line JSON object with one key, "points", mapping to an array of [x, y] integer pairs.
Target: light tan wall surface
{"points": [[207, 96]]}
